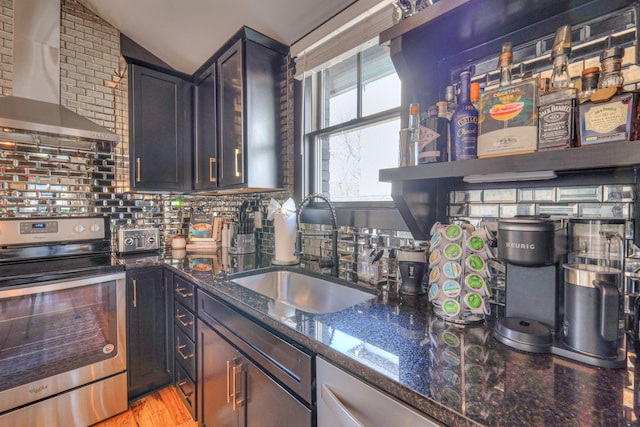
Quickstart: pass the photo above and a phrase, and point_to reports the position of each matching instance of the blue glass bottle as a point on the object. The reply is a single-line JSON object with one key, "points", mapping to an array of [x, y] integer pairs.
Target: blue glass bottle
{"points": [[464, 124]]}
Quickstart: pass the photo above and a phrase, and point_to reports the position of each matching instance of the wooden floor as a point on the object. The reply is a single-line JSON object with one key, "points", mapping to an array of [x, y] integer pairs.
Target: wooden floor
{"points": [[161, 409]]}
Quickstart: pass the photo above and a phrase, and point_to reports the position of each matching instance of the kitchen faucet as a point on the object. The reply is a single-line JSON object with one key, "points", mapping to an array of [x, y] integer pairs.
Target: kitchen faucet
{"points": [[333, 261]]}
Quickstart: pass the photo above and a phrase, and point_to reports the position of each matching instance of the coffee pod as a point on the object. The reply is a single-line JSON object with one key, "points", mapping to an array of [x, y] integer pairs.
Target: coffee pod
{"points": [[435, 257], [434, 275], [436, 240], [475, 244], [476, 283], [474, 352], [451, 307], [474, 302], [453, 252], [453, 232], [451, 288], [475, 263], [484, 233], [451, 358], [436, 227], [434, 293], [474, 372], [451, 337], [452, 269]]}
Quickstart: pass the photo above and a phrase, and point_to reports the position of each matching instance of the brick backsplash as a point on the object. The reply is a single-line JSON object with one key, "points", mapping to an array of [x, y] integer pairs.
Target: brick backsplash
{"points": [[41, 175]]}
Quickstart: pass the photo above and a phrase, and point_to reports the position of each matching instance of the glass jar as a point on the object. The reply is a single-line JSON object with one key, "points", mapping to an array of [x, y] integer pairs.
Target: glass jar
{"points": [[611, 63]]}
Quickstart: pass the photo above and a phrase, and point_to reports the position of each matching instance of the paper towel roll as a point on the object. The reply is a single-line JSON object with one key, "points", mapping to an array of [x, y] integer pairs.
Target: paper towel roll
{"points": [[285, 237]]}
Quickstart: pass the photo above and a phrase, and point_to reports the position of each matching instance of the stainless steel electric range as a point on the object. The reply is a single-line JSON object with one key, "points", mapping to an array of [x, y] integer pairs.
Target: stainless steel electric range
{"points": [[62, 323]]}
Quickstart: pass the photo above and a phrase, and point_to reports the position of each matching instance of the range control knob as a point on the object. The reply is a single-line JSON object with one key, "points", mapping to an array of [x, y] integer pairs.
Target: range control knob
{"points": [[79, 228], [95, 228], [128, 241]]}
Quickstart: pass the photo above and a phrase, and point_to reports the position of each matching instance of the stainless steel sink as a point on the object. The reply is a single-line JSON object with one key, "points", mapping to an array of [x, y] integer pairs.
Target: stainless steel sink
{"points": [[304, 292]]}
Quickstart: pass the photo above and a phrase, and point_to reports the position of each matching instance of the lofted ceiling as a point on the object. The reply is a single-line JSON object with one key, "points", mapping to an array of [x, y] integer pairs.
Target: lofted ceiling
{"points": [[185, 33]]}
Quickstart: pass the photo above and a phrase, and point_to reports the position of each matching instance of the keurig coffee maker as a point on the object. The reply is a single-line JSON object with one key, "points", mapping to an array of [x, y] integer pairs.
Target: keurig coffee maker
{"points": [[541, 299]]}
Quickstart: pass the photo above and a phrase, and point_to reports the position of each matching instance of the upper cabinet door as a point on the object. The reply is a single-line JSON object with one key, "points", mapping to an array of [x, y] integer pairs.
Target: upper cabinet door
{"points": [[160, 130], [206, 140], [232, 156]]}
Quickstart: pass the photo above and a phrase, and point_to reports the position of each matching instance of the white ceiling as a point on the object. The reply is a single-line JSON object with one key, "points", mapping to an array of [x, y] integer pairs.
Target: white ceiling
{"points": [[185, 33]]}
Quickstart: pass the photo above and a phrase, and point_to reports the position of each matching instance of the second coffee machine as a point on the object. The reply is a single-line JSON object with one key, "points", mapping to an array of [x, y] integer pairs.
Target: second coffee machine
{"points": [[538, 300]]}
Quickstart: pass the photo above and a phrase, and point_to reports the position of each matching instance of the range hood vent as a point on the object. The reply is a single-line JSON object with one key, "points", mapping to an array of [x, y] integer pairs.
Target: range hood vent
{"points": [[35, 104]]}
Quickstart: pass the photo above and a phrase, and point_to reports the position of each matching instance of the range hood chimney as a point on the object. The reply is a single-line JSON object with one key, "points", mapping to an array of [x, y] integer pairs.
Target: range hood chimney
{"points": [[35, 104]]}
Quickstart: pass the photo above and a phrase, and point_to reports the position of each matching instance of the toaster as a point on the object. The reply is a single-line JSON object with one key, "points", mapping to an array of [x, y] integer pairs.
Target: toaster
{"points": [[145, 239]]}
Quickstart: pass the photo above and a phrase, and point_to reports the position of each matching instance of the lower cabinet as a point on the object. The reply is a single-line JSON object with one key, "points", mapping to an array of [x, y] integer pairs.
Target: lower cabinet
{"points": [[149, 338], [234, 390]]}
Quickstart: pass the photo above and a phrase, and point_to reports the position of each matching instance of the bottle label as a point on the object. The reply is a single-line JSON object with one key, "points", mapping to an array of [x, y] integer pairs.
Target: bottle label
{"points": [[607, 121], [556, 124], [464, 133]]}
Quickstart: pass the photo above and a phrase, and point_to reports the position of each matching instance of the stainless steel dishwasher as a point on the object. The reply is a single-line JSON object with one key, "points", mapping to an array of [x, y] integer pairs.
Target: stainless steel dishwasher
{"points": [[346, 401], [247, 375]]}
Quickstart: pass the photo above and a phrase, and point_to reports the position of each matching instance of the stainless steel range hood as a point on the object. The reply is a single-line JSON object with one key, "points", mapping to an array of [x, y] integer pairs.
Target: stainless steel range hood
{"points": [[35, 104]]}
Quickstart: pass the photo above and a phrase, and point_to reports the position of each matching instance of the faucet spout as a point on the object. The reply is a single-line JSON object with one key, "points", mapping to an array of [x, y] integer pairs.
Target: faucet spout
{"points": [[333, 262]]}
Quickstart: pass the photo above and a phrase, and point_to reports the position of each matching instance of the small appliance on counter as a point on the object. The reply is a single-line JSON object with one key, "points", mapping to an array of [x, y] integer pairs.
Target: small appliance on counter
{"points": [[413, 265], [138, 239], [575, 315]]}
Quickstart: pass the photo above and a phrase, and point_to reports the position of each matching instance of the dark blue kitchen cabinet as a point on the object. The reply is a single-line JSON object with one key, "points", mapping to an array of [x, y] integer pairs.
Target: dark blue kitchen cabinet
{"points": [[149, 331], [237, 117], [160, 130]]}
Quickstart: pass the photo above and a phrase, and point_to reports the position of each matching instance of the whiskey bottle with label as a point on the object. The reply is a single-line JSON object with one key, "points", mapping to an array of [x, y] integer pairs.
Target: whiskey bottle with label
{"points": [[611, 114], [556, 108], [433, 138]]}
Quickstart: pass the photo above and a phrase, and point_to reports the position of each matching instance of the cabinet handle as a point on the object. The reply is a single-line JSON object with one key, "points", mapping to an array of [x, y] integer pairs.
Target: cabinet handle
{"points": [[237, 369], [137, 169], [229, 395], [179, 350], [180, 291], [135, 293], [238, 156], [179, 317], [180, 384], [212, 160], [336, 407]]}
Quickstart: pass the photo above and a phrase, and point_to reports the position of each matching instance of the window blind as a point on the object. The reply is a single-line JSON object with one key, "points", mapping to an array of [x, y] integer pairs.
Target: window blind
{"points": [[358, 34]]}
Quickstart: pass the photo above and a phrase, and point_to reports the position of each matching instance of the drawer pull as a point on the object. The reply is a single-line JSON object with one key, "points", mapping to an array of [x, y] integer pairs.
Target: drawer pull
{"points": [[179, 317], [135, 293], [237, 403], [184, 356], [229, 395], [186, 394], [337, 408], [183, 294]]}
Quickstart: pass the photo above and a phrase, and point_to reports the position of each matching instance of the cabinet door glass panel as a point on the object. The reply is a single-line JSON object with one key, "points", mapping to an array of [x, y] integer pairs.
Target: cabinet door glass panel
{"points": [[206, 174], [231, 117]]}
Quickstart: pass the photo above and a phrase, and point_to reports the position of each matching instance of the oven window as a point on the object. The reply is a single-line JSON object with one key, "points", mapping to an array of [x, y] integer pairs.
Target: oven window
{"points": [[48, 333]]}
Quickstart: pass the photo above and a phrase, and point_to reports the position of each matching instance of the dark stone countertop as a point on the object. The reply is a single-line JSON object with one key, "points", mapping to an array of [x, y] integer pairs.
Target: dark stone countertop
{"points": [[459, 375]]}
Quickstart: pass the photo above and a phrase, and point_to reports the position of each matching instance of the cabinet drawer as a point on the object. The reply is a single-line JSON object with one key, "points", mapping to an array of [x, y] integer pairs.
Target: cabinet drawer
{"points": [[184, 292], [185, 321], [284, 360], [186, 390], [185, 353]]}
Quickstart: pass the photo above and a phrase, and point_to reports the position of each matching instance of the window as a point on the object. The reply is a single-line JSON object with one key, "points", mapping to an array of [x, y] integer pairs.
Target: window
{"points": [[357, 111]]}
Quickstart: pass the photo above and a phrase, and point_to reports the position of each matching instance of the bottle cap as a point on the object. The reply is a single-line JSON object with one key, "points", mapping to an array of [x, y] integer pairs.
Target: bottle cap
{"points": [[414, 109], [433, 111], [562, 42], [475, 91], [590, 70], [442, 108], [614, 52]]}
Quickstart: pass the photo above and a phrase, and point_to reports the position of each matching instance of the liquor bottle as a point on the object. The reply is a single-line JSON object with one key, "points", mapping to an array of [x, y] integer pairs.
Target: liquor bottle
{"points": [[505, 61], [590, 77], [433, 144], [611, 114], [450, 97], [556, 108], [474, 94], [414, 126], [464, 124], [444, 114]]}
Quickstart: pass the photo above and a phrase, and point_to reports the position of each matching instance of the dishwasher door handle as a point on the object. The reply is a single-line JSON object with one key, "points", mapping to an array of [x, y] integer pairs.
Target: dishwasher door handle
{"points": [[346, 418]]}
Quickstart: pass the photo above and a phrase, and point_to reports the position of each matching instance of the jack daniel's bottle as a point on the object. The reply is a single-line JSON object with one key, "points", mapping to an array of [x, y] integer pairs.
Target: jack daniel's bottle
{"points": [[612, 113], [556, 109]]}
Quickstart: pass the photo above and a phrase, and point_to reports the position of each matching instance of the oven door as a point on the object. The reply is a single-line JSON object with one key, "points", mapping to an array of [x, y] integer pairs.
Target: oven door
{"points": [[60, 335]]}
